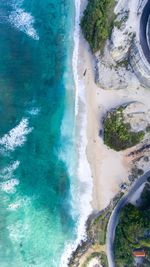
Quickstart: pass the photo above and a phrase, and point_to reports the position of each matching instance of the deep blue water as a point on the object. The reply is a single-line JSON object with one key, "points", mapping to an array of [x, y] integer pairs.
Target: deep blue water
{"points": [[36, 131]]}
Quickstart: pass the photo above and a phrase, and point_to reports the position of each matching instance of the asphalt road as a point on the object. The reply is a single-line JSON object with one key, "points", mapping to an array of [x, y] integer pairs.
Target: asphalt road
{"points": [[143, 27], [113, 221]]}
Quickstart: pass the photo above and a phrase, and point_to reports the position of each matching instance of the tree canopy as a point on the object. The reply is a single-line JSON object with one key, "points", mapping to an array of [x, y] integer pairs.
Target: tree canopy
{"points": [[97, 22]]}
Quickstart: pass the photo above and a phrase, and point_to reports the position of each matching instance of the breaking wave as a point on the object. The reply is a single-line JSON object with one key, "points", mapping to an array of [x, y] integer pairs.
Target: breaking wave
{"points": [[33, 111], [7, 173], [24, 22], [16, 137], [9, 186]]}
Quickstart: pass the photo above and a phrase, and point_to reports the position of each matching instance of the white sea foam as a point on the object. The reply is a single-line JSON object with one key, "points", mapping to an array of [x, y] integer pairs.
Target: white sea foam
{"points": [[13, 206], [16, 137], [9, 182], [7, 173], [81, 192], [14, 232], [9, 186], [19, 202], [24, 22], [76, 52], [34, 111], [18, 231], [81, 195]]}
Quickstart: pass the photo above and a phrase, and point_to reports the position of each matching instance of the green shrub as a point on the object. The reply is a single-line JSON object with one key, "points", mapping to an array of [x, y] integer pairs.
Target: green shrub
{"points": [[117, 134], [97, 22]]}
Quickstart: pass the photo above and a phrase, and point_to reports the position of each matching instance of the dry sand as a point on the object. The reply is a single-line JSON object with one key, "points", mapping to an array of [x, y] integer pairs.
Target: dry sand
{"points": [[108, 167]]}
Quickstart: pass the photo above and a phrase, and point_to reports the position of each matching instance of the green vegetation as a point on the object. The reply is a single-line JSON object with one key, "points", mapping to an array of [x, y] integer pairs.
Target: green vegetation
{"points": [[104, 261], [97, 22], [119, 23], [124, 63], [96, 239], [133, 232], [148, 129], [117, 134], [145, 197], [136, 172], [98, 228]]}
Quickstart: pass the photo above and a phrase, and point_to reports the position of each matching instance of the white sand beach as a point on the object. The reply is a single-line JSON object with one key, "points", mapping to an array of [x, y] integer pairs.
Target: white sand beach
{"points": [[109, 168]]}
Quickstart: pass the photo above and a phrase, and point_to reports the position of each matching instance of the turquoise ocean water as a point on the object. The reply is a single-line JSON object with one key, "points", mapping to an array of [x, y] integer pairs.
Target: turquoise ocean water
{"points": [[37, 154]]}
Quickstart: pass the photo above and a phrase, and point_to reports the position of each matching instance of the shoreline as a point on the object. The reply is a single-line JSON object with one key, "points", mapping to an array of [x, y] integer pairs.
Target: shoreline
{"points": [[83, 172], [102, 170], [98, 178], [98, 101], [84, 181]]}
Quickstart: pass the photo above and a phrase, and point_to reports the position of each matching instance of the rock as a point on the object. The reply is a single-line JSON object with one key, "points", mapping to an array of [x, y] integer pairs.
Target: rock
{"points": [[137, 115], [120, 44], [123, 63], [113, 75]]}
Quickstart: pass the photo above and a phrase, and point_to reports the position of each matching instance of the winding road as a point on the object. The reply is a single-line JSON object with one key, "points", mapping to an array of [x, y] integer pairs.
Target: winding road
{"points": [[114, 218]]}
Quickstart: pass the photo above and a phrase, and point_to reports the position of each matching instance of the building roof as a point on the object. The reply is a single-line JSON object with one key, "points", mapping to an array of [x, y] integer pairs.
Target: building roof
{"points": [[139, 253]]}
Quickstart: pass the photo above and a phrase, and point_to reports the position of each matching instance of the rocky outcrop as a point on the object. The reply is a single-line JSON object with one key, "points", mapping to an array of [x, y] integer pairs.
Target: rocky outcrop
{"points": [[126, 126], [124, 63], [138, 116], [114, 75]]}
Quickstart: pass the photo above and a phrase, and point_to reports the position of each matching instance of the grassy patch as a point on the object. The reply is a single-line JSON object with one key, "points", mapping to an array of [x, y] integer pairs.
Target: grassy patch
{"points": [[96, 238], [97, 22], [99, 227], [117, 134]]}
